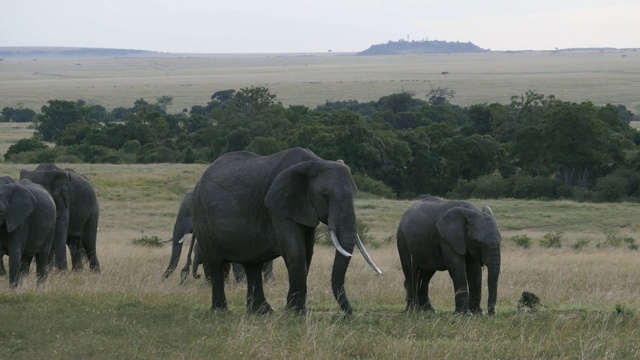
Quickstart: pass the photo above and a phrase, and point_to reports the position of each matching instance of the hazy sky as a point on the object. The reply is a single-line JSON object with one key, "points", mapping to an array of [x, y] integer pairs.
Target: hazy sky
{"points": [[267, 26]]}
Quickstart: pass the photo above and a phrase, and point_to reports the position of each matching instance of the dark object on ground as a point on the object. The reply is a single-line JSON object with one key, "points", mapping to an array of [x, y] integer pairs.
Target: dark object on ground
{"points": [[529, 301]]}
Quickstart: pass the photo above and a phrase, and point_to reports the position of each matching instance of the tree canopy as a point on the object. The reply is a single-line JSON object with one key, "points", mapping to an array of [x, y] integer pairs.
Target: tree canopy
{"points": [[535, 146]]}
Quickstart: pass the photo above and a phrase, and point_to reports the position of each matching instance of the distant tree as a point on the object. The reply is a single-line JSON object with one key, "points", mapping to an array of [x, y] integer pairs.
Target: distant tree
{"points": [[19, 115], [253, 100], [440, 95], [55, 117], [24, 145]]}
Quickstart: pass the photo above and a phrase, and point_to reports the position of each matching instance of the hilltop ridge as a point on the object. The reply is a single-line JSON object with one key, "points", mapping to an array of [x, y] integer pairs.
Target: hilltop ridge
{"points": [[402, 47]]}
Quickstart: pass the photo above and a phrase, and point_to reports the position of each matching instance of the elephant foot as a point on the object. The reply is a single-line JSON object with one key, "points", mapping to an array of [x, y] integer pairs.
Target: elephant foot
{"points": [[477, 312], [261, 309], [411, 307], [462, 313]]}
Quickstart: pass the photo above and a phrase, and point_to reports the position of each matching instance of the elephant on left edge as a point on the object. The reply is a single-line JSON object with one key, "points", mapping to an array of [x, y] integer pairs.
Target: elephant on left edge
{"points": [[77, 214], [27, 224]]}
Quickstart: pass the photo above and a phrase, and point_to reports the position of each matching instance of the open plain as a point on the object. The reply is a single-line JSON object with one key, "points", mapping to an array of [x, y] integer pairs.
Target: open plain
{"points": [[607, 76], [589, 287], [590, 294]]}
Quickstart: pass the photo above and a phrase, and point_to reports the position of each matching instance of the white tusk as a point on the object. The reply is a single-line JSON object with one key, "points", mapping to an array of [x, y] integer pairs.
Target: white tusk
{"points": [[367, 257], [339, 247], [183, 238]]}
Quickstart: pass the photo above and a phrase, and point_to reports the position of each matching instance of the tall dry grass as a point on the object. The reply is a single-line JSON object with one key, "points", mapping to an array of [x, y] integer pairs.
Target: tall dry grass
{"points": [[591, 296]]}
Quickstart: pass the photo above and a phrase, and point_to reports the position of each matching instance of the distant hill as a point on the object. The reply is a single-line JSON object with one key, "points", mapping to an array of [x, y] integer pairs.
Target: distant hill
{"points": [[61, 52], [402, 47]]}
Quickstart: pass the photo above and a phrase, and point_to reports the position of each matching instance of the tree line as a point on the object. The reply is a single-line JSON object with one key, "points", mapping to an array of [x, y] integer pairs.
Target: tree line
{"points": [[401, 146]]}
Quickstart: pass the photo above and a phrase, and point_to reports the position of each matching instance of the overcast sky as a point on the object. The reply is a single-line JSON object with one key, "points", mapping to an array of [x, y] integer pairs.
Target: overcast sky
{"points": [[276, 26]]}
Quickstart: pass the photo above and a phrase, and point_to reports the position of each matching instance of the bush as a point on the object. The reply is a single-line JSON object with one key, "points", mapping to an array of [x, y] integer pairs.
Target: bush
{"points": [[491, 187], [523, 241], [373, 186], [24, 145], [151, 241], [552, 240], [612, 239], [613, 187], [534, 187], [580, 244]]}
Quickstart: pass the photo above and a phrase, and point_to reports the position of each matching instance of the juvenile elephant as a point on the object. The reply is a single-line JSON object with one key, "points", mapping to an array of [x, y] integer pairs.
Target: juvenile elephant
{"points": [[437, 235], [78, 213], [181, 229], [251, 209], [27, 221]]}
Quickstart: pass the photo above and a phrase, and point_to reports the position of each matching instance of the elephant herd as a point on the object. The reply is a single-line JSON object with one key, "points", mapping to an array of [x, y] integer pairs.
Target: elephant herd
{"points": [[249, 209]]}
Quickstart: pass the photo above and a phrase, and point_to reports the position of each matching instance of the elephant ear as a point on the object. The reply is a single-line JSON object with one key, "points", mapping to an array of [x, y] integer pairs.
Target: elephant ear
{"points": [[22, 204], [289, 196], [452, 226]]}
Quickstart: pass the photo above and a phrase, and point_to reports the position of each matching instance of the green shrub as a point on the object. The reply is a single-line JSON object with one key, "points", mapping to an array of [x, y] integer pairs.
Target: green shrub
{"points": [[612, 239], [151, 241], [580, 244], [550, 240], [373, 186], [613, 187], [523, 241], [491, 187], [534, 187]]}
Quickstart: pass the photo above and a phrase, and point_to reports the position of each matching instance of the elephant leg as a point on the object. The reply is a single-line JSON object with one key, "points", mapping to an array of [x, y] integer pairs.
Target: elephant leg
{"points": [[256, 301], [474, 277], [25, 265], [197, 260], [238, 272], [459, 278], [410, 273], [216, 271], [75, 248], [42, 266], [15, 262], [90, 234], [422, 291], [297, 295]]}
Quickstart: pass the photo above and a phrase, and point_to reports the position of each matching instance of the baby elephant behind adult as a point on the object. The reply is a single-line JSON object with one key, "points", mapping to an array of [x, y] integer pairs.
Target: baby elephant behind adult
{"points": [[437, 235]]}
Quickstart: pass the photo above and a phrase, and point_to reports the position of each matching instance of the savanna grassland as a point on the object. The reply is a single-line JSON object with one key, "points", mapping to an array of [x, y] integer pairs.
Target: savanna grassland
{"points": [[311, 79], [591, 295], [590, 286]]}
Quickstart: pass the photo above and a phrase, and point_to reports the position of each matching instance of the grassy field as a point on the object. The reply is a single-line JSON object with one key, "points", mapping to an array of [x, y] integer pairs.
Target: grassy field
{"points": [[592, 295], [311, 79]]}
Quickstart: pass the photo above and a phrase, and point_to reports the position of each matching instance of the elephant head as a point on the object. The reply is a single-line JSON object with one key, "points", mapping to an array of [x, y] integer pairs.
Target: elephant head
{"points": [[322, 191], [477, 233], [16, 204]]}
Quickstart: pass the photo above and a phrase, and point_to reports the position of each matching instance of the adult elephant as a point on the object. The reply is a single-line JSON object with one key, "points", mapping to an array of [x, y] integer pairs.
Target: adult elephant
{"points": [[437, 235], [251, 209], [78, 212], [27, 222], [181, 230]]}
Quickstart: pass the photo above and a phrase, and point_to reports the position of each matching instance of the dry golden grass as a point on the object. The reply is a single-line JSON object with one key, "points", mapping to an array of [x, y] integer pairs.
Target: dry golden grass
{"points": [[601, 77], [591, 296]]}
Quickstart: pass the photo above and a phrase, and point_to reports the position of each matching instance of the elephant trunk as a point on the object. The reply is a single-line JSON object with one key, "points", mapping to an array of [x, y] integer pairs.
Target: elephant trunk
{"points": [[493, 274], [176, 250], [340, 265]]}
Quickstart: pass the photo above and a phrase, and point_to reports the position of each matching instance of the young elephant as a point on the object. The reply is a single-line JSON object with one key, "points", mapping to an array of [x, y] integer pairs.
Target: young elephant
{"points": [[181, 229], [27, 223], [437, 235]]}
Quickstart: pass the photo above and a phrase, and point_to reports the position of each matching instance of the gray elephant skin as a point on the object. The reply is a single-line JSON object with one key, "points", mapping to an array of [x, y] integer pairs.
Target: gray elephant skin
{"points": [[27, 223], [78, 213], [181, 229], [251, 209], [3, 270], [437, 235]]}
